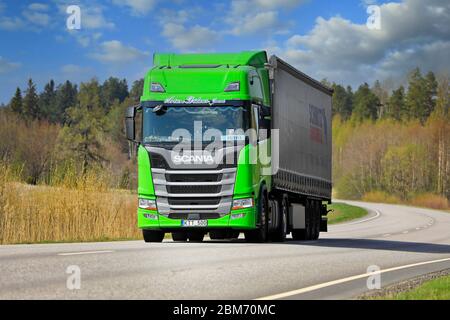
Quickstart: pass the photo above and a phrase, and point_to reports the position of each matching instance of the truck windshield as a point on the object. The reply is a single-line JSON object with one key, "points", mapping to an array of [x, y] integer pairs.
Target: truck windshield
{"points": [[193, 124]]}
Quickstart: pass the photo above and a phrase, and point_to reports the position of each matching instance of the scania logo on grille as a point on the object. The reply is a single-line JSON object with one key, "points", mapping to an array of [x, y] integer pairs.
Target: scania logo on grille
{"points": [[192, 159]]}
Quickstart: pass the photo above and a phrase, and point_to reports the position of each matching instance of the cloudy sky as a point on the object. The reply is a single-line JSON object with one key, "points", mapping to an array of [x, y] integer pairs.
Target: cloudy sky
{"points": [[326, 39]]}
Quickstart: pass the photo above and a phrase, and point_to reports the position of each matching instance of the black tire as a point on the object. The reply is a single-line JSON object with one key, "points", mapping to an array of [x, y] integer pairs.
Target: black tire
{"points": [[279, 235], [153, 235], [317, 217], [234, 234], [260, 234], [179, 236], [196, 236]]}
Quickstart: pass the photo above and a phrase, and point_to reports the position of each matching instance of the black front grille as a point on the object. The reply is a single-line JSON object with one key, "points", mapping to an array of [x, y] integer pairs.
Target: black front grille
{"points": [[202, 177], [193, 189], [194, 201], [200, 216]]}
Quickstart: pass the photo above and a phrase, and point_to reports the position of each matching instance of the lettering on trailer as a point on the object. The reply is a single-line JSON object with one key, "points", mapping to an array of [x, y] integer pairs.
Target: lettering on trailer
{"points": [[193, 100], [318, 125]]}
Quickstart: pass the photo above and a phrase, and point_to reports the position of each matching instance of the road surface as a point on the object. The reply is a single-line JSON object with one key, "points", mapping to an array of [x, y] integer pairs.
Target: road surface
{"points": [[403, 242]]}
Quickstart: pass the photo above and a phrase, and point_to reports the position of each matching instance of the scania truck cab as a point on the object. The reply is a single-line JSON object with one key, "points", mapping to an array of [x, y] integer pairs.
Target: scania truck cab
{"points": [[231, 143]]}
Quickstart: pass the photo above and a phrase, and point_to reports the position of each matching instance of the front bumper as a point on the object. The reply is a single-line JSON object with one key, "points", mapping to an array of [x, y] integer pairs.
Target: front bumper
{"points": [[246, 222]]}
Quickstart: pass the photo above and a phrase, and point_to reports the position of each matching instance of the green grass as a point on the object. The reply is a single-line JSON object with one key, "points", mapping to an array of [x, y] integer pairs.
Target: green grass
{"points": [[344, 212], [437, 289]]}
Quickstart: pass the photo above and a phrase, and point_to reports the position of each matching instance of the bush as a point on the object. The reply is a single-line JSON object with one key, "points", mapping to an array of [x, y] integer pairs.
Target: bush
{"points": [[381, 197], [430, 200]]}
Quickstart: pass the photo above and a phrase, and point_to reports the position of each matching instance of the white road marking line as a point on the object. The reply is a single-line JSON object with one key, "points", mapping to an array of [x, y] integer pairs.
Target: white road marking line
{"points": [[339, 281], [386, 235], [405, 232], [378, 214], [83, 252], [418, 228]]}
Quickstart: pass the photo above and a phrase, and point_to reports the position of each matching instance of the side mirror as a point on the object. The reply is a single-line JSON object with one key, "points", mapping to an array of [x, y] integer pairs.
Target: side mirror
{"points": [[130, 132]]}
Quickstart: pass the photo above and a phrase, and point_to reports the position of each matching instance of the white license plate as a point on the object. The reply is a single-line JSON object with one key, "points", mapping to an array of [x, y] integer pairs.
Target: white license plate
{"points": [[194, 223]]}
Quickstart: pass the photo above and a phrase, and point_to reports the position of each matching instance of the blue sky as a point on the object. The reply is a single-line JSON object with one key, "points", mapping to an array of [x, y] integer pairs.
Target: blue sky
{"points": [[118, 37]]}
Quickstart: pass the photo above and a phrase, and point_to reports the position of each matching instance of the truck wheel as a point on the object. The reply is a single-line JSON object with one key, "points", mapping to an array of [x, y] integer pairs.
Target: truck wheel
{"points": [[196, 236], [234, 234], [260, 235], [317, 218], [153, 235], [179, 236], [279, 234]]}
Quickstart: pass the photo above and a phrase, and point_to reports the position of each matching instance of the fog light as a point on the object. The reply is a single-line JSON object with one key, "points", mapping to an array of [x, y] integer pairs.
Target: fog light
{"points": [[150, 216], [237, 216]]}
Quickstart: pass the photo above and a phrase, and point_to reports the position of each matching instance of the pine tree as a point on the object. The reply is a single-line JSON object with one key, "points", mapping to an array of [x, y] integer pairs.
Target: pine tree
{"points": [[431, 86], [47, 102], [396, 105], [136, 90], [416, 97], [31, 101], [365, 104], [341, 100], [82, 135], [16, 103], [66, 97], [111, 90]]}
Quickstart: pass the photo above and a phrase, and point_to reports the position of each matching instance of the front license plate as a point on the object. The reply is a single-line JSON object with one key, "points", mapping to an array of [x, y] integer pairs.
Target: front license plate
{"points": [[194, 223]]}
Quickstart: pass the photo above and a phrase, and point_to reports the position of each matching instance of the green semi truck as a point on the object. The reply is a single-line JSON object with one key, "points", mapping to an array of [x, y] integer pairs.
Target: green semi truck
{"points": [[231, 143]]}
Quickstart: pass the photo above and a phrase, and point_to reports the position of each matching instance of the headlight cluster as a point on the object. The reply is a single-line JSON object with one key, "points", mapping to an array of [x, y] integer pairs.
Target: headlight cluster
{"points": [[147, 204], [242, 203]]}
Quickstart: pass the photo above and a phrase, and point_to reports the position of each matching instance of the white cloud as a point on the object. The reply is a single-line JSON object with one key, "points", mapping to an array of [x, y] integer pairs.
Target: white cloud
{"points": [[196, 37], [93, 18], [252, 16], [11, 23], [413, 33], [114, 52], [138, 7], [38, 6], [37, 18], [7, 66]]}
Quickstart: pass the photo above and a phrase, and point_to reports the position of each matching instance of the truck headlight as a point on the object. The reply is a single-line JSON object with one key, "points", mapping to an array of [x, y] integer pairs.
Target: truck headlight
{"points": [[233, 86], [147, 204], [157, 87], [242, 203]]}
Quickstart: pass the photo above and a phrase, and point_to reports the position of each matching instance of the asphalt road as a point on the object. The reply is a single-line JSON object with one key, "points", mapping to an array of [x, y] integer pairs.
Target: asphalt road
{"points": [[402, 242]]}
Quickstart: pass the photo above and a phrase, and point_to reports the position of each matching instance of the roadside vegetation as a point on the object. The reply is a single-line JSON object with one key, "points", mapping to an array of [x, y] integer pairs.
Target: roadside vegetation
{"points": [[343, 212], [437, 289], [393, 145]]}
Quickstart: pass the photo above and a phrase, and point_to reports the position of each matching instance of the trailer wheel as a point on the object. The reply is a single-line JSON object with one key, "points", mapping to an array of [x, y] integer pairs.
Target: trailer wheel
{"points": [[196, 236], [179, 236], [153, 235], [279, 234], [261, 234], [316, 218]]}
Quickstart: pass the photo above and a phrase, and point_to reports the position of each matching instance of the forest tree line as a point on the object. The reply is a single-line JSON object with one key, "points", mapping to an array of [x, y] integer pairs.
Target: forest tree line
{"points": [[393, 144], [393, 141]]}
